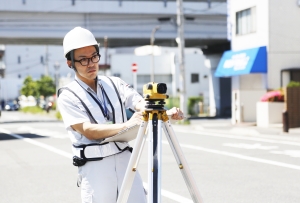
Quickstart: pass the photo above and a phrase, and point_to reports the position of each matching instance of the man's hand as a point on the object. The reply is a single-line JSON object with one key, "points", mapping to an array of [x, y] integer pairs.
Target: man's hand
{"points": [[136, 119], [175, 113]]}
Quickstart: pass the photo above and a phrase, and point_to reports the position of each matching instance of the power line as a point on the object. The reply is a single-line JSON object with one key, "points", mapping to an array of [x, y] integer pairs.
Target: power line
{"points": [[33, 65], [23, 69]]}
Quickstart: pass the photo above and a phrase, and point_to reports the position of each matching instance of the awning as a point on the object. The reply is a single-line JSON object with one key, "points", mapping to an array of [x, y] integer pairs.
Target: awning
{"points": [[243, 62]]}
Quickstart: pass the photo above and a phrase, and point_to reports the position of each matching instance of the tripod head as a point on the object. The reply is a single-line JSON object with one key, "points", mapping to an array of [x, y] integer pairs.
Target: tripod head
{"points": [[155, 95]]}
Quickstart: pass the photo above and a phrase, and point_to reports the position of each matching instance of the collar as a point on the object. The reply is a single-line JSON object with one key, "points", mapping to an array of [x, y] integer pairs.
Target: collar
{"points": [[84, 85]]}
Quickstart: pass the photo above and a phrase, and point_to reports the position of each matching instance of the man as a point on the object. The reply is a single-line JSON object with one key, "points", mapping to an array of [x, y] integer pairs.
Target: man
{"points": [[93, 108]]}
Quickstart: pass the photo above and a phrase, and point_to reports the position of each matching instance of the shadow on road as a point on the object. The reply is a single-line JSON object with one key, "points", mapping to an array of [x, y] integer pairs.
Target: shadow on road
{"points": [[31, 121], [4, 136]]}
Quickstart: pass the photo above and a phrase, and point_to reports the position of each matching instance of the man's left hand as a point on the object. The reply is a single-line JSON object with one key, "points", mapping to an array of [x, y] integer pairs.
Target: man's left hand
{"points": [[175, 113]]}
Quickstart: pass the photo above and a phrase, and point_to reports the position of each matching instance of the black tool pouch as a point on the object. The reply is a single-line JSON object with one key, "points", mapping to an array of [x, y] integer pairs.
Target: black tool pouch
{"points": [[77, 161]]}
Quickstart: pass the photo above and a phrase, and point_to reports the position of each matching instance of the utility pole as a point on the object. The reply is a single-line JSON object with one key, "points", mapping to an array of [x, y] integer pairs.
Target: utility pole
{"points": [[152, 51], [181, 45], [46, 62]]}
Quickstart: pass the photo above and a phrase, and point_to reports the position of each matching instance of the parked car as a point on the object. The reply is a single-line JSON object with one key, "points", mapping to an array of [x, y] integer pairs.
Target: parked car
{"points": [[11, 106]]}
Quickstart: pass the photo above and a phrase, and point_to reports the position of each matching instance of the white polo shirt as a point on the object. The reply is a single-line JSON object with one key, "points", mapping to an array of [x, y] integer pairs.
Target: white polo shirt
{"points": [[73, 112]]}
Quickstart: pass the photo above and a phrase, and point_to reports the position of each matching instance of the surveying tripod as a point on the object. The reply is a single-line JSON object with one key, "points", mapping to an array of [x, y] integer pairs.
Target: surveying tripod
{"points": [[155, 117]]}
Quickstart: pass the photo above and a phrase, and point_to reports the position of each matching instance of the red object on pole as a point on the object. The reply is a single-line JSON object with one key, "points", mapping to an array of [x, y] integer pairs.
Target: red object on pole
{"points": [[134, 67]]}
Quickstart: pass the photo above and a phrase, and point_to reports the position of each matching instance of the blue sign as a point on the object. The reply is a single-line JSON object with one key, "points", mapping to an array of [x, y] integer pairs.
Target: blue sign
{"points": [[243, 62]]}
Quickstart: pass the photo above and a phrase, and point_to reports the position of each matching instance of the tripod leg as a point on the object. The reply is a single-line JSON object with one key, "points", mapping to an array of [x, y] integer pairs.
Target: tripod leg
{"points": [[150, 162], [159, 160], [183, 166], [154, 159], [132, 165]]}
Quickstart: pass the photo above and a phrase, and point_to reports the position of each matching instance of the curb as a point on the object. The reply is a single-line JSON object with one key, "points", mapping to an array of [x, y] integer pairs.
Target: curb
{"points": [[239, 131]]}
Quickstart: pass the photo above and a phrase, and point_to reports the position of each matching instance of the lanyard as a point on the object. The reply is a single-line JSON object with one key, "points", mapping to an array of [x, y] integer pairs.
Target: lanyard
{"points": [[103, 107], [104, 103]]}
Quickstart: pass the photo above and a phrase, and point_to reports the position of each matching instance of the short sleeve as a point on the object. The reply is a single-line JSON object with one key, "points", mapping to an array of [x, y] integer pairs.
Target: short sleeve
{"points": [[71, 109], [130, 97]]}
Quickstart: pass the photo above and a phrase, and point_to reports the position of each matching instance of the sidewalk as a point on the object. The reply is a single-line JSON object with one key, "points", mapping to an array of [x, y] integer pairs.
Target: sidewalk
{"points": [[248, 129], [208, 125]]}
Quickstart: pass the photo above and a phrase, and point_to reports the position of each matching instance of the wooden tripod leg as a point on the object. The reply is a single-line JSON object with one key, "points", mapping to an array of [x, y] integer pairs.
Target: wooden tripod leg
{"points": [[132, 165], [182, 163]]}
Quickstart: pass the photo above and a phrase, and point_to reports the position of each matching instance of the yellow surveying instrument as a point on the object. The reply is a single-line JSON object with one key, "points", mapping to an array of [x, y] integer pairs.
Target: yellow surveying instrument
{"points": [[155, 95]]}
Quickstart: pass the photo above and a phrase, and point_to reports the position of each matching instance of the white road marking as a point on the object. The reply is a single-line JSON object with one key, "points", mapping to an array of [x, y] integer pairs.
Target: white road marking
{"points": [[171, 195], [291, 153], [165, 193], [240, 137], [239, 156], [249, 146], [43, 132], [31, 141]]}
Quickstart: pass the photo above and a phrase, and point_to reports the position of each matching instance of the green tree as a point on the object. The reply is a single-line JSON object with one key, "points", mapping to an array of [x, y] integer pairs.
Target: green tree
{"points": [[30, 87], [46, 86]]}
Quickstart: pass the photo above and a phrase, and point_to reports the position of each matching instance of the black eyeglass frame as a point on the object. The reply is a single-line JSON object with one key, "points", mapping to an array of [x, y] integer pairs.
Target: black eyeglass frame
{"points": [[89, 59]]}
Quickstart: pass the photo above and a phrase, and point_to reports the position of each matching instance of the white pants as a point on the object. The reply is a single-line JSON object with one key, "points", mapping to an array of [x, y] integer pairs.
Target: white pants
{"points": [[102, 180]]}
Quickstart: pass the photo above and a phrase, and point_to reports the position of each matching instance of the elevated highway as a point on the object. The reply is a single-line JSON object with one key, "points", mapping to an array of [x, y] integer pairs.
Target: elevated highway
{"points": [[124, 23]]}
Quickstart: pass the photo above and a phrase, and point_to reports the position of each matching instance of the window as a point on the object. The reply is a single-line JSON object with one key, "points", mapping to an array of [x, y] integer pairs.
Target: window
{"points": [[246, 21], [194, 78], [163, 78], [19, 59], [144, 79], [117, 75]]}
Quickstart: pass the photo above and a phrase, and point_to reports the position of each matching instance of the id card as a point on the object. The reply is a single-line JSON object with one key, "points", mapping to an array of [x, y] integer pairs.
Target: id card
{"points": [[108, 122]]}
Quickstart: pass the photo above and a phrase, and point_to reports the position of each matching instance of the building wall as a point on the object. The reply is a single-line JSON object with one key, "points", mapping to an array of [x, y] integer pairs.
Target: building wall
{"points": [[23, 60], [30, 64], [121, 65], [166, 64], [194, 63], [247, 89], [211, 63], [255, 39], [10, 88], [284, 39], [277, 29]]}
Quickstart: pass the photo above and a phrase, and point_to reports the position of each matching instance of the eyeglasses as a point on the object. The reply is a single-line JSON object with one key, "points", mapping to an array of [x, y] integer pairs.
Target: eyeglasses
{"points": [[86, 61]]}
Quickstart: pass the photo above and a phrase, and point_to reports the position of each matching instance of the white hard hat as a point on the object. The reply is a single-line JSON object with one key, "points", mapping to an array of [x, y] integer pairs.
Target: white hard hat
{"points": [[78, 38]]}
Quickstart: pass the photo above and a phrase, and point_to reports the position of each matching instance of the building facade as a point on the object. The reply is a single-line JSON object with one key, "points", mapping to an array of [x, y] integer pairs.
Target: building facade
{"points": [[265, 51]]}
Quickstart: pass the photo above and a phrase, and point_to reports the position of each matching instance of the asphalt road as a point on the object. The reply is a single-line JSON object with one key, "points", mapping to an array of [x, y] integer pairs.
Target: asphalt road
{"points": [[36, 166]]}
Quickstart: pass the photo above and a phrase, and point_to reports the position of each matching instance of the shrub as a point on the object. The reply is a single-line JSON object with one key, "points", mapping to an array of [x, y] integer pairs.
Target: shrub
{"points": [[58, 115], [32, 109], [171, 102], [192, 101], [293, 84]]}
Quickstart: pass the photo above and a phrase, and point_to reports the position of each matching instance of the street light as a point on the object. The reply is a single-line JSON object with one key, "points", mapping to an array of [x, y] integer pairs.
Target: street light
{"points": [[181, 44], [56, 67], [152, 44]]}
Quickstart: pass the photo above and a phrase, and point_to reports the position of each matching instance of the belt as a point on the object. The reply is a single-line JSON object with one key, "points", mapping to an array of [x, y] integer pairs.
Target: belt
{"points": [[96, 151]]}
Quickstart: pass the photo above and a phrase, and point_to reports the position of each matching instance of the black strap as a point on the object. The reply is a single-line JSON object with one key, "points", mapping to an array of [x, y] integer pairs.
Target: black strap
{"points": [[126, 148], [83, 104], [112, 108], [80, 161], [96, 100], [117, 92]]}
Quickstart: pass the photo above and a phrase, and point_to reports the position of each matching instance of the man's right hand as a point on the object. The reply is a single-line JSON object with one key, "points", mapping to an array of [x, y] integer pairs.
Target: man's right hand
{"points": [[136, 119]]}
